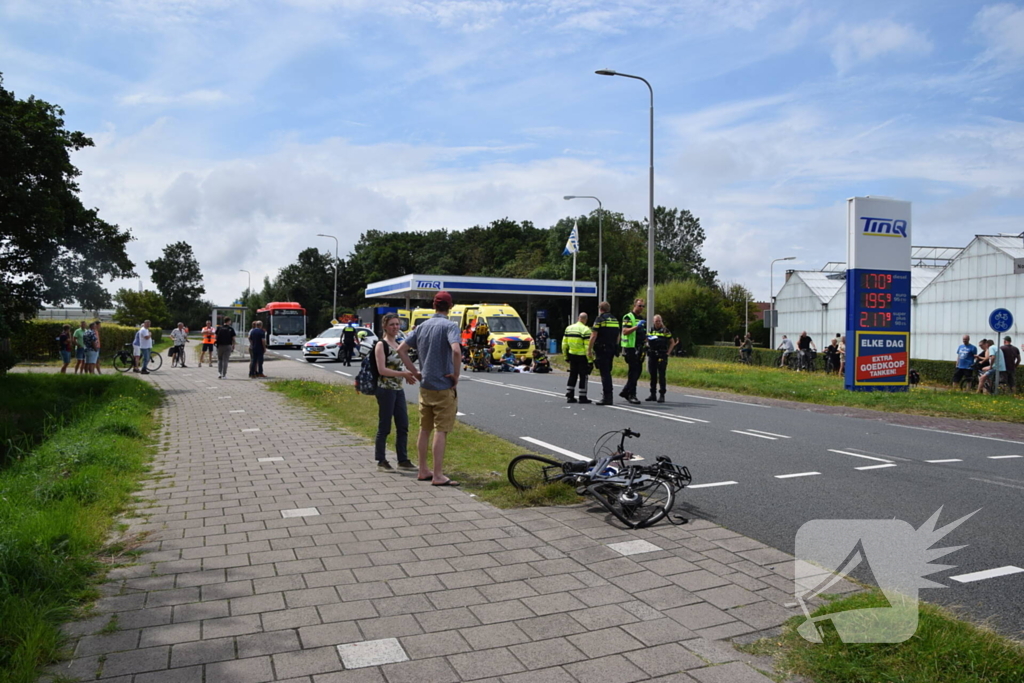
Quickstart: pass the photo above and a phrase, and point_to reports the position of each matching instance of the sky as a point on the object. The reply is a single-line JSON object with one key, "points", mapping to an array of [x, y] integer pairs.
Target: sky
{"points": [[246, 127]]}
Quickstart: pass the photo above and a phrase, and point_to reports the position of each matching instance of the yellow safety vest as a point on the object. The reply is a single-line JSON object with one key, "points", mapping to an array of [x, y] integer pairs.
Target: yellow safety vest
{"points": [[575, 340]]}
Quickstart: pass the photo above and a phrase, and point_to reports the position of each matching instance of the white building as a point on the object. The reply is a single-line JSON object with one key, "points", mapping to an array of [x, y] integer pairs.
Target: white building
{"points": [[953, 292]]}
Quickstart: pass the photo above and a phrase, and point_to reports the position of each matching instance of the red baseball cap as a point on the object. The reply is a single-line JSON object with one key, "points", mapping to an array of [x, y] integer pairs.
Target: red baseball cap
{"points": [[443, 296]]}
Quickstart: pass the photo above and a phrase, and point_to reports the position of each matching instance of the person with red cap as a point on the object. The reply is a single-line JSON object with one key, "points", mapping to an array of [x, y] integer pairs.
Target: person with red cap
{"points": [[438, 344]]}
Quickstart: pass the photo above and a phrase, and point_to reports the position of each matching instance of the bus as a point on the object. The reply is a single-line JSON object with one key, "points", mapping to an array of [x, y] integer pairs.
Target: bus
{"points": [[284, 323]]}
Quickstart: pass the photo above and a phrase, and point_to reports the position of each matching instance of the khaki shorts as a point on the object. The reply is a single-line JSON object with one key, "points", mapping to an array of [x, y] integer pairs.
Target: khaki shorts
{"points": [[437, 409]]}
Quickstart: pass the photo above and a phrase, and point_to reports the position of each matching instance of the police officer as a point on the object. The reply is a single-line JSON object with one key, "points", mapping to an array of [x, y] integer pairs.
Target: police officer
{"points": [[630, 324], [659, 347], [574, 348], [348, 343], [603, 347]]}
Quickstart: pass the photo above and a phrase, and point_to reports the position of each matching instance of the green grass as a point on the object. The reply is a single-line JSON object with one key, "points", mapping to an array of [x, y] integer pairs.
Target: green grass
{"points": [[817, 387], [475, 458], [58, 496], [944, 649]]}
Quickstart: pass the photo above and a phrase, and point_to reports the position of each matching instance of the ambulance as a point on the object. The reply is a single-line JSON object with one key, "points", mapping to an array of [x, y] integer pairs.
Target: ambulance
{"points": [[507, 330]]}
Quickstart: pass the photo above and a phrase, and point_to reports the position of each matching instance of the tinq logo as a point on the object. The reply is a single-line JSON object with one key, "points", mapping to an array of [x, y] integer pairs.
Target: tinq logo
{"points": [[898, 556]]}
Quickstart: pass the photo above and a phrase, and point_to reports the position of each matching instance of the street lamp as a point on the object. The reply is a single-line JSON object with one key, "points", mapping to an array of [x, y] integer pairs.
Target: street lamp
{"points": [[248, 288], [771, 293], [600, 242], [334, 314], [650, 226]]}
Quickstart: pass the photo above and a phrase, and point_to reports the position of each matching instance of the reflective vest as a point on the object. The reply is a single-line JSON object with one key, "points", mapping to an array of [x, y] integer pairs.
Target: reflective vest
{"points": [[208, 335], [607, 328], [658, 341], [575, 340], [629, 340]]}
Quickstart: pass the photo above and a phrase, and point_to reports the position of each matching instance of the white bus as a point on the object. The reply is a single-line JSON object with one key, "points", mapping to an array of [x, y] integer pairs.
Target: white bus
{"points": [[285, 324]]}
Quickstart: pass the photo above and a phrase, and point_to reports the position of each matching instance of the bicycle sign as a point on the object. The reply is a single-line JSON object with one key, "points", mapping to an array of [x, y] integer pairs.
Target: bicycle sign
{"points": [[1000, 320]]}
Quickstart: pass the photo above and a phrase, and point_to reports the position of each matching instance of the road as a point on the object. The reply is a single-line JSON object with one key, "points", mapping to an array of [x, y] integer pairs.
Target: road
{"points": [[764, 471]]}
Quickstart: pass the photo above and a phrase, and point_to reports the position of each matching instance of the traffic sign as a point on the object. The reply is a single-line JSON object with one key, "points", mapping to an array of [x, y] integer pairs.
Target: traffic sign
{"points": [[1000, 320]]}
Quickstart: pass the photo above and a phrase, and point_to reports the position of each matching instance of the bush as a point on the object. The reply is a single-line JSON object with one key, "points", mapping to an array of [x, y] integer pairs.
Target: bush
{"points": [[36, 340]]}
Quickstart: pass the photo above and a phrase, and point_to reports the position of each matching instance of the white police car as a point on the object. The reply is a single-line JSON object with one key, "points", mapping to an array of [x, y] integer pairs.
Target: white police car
{"points": [[328, 344]]}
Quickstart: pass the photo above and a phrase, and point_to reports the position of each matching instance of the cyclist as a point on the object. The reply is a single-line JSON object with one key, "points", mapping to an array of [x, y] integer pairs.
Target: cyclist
{"points": [[180, 337], [746, 348], [209, 342], [806, 345], [787, 348]]}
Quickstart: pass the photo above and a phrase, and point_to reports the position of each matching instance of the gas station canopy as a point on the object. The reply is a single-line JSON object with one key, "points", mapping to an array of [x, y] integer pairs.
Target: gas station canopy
{"points": [[416, 286]]}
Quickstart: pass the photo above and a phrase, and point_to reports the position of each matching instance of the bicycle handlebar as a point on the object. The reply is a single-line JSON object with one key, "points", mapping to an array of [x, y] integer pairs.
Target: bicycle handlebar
{"points": [[629, 433]]}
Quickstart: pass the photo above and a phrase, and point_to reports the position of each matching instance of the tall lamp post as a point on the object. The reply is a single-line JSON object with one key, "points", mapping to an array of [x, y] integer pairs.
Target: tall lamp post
{"points": [[601, 295], [650, 226], [334, 312], [248, 288], [771, 293]]}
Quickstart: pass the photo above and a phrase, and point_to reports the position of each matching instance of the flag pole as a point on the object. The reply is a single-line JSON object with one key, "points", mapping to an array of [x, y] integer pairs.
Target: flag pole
{"points": [[572, 312]]}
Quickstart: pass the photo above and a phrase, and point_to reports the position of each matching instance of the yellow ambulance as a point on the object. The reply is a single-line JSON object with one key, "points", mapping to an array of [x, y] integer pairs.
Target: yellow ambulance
{"points": [[507, 330]]}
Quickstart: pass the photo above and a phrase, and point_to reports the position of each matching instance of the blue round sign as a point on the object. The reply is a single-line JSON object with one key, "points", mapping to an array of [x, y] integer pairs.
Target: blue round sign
{"points": [[1000, 320]]}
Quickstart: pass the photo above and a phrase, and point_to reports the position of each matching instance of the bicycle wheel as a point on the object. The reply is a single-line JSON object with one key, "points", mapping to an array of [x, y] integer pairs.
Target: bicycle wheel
{"points": [[636, 505], [121, 363], [530, 471], [155, 361]]}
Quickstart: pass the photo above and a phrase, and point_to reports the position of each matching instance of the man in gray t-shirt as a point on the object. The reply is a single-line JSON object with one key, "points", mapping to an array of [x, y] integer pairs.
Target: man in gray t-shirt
{"points": [[438, 343]]}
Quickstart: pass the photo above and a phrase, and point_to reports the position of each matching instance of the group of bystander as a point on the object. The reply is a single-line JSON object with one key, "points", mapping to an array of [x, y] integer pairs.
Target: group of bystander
{"points": [[993, 364]]}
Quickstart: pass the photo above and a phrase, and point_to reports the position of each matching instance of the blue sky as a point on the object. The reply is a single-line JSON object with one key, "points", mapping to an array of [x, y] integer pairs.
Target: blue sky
{"points": [[246, 127]]}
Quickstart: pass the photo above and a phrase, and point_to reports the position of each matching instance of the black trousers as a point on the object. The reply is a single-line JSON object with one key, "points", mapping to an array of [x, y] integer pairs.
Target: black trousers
{"points": [[346, 353], [604, 364], [255, 362], [656, 366], [579, 370], [636, 367]]}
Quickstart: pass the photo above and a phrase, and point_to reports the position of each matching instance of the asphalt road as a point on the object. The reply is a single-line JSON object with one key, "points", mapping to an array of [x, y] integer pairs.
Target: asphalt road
{"points": [[744, 456]]}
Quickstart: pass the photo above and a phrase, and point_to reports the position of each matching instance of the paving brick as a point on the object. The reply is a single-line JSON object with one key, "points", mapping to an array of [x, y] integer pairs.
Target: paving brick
{"points": [[698, 580], [389, 627], [485, 663], [552, 675], [508, 610], [614, 669], [185, 674], [136, 661], [250, 670], [549, 604], [734, 672], [436, 670], [459, 597], [494, 635], [267, 643], [290, 618], [547, 653], [442, 620], [170, 634], [605, 641], [113, 642], [701, 615], [665, 659], [257, 603], [435, 644], [232, 626], [334, 633], [347, 611], [725, 597], [202, 651], [307, 662], [658, 631]]}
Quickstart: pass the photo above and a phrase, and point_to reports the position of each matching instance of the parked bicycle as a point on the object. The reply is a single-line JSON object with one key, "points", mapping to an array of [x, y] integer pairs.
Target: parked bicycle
{"points": [[638, 495], [123, 361]]}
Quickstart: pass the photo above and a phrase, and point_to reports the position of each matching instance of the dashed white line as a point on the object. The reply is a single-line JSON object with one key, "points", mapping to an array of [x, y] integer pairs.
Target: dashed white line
{"points": [[858, 455], [1004, 457], [987, 574], [760, 436], [723, 400], [343, 373], [947, 460], [876, 467], [458, 414], [717, 483], [778, 436], [798, 474], [552, 447], [647, 414], [654, 413], [943, 431]]}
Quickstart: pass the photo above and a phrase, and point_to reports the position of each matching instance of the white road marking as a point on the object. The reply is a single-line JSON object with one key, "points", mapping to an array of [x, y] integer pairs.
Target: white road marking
{"points": [[458, 414], [552, 447], [343, 373], [300, 512], [876, 467], [717, 483], [1004, 457], [987, 574], [254, 429], [516, 386], [236, 411], [723, 400], [998, 483], [780, 436], [943, 431], [220, 397], [654, 413], [647, 414], [858, 455], [798, 474], [948, 460], [269, 459], [760, 436]]}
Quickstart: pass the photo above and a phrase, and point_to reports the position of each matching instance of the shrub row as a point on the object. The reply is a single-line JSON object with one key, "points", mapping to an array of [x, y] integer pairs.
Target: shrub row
{"points": [[37, 339]]}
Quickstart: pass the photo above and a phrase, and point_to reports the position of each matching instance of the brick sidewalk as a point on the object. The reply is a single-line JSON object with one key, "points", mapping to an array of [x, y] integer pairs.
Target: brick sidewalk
{"points": [[277, 552]]}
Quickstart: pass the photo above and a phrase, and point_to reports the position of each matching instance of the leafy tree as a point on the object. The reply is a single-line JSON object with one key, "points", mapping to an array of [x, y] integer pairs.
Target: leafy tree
{"points": [[694, 312], [737, 298], [52, 249], [133, 308], [179, 279], [310, 282], [678, 240]]}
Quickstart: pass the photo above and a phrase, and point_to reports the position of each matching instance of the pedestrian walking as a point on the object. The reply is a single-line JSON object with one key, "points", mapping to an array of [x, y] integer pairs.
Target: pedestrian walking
{"points": [[348, 343], [65, 344], [1011, 358], [92, 350], [145, 345], [79, 336], [660, 344], [257, 350], [965, 355], [604, 347], [180, 337], [842, 355], [209, 342], [391, 405], [438, 343], [225, 337], [574, 348], [632, 331]]}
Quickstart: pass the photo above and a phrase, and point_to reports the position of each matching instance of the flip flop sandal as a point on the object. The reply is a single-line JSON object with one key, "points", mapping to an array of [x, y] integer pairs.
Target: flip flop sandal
{"points": [[448, 483]]}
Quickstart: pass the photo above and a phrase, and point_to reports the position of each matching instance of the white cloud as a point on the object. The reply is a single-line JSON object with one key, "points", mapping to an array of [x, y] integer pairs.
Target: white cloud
{"points": [[1001, 27], [195, 97], [854, 45]]}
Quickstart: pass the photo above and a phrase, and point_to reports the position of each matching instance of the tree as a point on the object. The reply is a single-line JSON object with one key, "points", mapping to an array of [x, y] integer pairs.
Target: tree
{"points": [[694, 312], [678, 240], [52, 249], [133, 308], [738, 300], [179, 279], [310, 282]]}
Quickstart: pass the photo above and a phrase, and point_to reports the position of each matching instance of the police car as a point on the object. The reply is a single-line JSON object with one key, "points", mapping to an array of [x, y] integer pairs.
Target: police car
{"points": [[328, 344]]}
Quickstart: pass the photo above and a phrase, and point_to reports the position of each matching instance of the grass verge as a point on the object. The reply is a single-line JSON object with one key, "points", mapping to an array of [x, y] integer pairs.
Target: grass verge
{"points": [[944, 649], [817, 387], [477, 459], [58, 494]]}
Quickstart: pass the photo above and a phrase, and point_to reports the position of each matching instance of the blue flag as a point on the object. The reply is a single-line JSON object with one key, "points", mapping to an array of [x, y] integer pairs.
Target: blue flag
{"points": [[573, 244]]}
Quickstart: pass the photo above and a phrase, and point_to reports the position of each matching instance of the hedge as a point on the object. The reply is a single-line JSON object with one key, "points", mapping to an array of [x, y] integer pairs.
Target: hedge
{"points": [[937, 371], [36, 340]]}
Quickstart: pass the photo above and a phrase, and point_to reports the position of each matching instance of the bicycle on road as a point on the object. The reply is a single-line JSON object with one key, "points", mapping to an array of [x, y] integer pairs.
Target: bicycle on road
{"points": [[638, 495], [123, 361]]}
